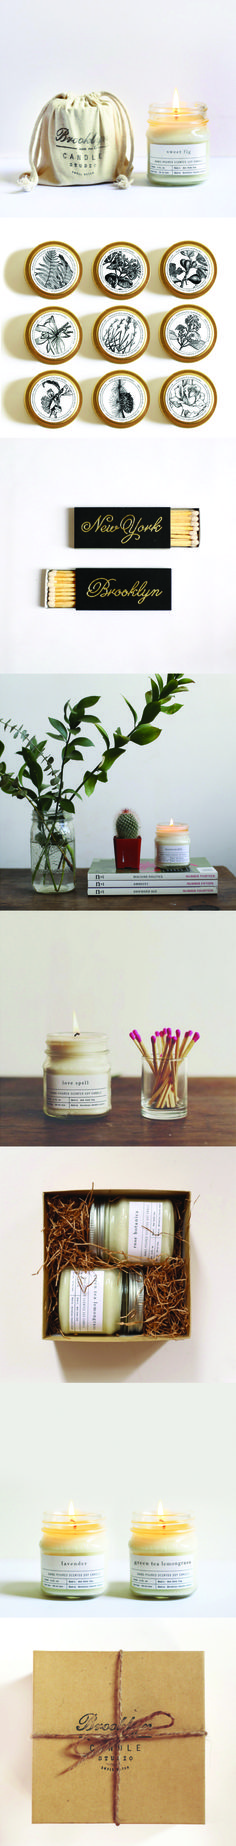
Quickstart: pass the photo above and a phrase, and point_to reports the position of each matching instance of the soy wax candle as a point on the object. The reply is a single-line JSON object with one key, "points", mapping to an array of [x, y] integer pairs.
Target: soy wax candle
{"points": [[134, 1227], [162, 1554], [178, 144], [73, 1550], [172, 846], [106, 1301], [77, 1077]]}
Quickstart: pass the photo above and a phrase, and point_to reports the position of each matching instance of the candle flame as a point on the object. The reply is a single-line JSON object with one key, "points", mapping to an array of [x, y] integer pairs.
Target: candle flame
{"points": [[171, 823], [176, 103], [160, 1510], [70, 1509], [75, 1025]]}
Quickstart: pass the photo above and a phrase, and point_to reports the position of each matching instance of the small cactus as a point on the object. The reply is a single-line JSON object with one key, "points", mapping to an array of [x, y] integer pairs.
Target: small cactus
{"points": [[127, 825]]}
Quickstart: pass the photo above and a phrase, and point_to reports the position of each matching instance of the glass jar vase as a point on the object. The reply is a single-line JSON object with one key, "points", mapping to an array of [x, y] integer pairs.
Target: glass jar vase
{"points": [[52, 847], [175, 1101]]}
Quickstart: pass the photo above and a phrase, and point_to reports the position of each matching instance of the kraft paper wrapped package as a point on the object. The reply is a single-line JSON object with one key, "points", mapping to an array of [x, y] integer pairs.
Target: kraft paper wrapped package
{"points": [[118, 1737], [81, 141]]}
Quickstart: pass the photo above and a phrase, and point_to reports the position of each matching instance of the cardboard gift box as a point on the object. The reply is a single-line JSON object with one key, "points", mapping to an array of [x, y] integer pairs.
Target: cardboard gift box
{"points": [[118, 1737], [172, 1317]]}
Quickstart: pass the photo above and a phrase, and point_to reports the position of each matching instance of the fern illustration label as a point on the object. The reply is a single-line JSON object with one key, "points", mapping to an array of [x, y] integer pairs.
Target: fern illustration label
{"points": [[134, 589], [53, 269], [116, 528]]}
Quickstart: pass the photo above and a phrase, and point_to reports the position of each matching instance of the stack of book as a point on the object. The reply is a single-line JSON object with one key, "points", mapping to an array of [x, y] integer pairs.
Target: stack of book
{"points": [[198, 880]]}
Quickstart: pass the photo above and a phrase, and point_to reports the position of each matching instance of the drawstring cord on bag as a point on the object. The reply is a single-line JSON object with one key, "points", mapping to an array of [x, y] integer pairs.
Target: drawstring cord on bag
{"points": [[123, 176]]}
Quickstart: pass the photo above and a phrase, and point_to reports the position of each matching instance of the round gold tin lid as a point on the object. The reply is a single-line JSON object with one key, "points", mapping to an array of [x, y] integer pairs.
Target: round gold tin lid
{"points": [[121, 334], [53, 268], [53, 334], [188, 398], [188, 269], [53, 401], [121, 269], [121, 400], [188, 332]]}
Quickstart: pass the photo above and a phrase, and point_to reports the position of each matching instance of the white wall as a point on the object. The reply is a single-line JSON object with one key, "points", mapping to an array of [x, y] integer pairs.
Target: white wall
{"points": [[141, 61], [118, 972], [209, 1174], [176, 1446], [37, 532], [18, 1640], [189, 773]]}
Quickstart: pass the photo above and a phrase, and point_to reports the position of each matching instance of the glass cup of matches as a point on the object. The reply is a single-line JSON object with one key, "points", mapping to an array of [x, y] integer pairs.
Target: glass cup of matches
{"points": [[164, 1085]]}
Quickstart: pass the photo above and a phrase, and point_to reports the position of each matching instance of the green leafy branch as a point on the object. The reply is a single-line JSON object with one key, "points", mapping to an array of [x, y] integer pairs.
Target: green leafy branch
{"points": [[39, 782]]}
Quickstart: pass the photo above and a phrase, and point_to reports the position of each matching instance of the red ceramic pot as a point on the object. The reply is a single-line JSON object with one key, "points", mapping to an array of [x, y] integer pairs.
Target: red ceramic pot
{"points": [[127, 854]]}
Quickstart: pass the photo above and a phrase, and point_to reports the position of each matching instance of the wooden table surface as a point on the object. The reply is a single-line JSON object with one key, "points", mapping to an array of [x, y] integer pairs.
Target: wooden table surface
{"points": [[211, 1118], [16, 893]]}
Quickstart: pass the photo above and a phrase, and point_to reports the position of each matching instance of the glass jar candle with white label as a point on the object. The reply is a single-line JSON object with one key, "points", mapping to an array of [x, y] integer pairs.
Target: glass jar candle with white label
{"points": [[163, 1556], [77, 1076], [134, 1227], [100, 1301], [172, 847], [73, 1555], [178, 144]]}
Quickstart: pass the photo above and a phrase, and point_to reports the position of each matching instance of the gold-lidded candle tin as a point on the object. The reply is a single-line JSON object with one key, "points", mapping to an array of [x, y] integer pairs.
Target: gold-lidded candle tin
{"points": [[188, 269], [53, 400], [53, 268], [53, 334], [188, 332], [121, 269], [121, 400], [120, 334], [188, 399]]}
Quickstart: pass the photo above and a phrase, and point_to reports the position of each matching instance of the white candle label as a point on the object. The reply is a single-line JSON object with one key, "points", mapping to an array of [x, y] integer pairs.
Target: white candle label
{"points": [[163, 1575], [86, 1301], [72, 1576], [169, 160], [81, 1095], [145, 1229], [173, 852]]}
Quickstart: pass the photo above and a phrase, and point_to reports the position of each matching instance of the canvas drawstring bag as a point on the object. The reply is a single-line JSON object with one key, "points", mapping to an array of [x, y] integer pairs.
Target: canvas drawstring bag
{"points": [[81, 141]]}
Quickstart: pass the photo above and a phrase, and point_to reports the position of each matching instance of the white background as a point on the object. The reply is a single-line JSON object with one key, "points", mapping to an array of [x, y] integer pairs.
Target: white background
{"points": [[118, 972], [210, 1353], [143, 61], [217, 1639], [36, 503], [188, 774], [18, 302], [115, 1456]]}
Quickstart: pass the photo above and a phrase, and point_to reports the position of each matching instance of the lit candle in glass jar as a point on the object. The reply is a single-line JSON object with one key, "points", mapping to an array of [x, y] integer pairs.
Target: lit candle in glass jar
{"points": [[172, 846], [178, 144], [76, 1075], [72, 1549], [162, 1554]]}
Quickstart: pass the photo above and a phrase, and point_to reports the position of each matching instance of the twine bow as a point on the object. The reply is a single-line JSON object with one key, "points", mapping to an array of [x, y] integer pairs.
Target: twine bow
{"points": [[136, 1730]]}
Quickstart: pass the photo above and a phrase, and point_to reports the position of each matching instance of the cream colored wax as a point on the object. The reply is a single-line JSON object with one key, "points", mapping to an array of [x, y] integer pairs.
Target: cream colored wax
{"points": [[134, 1227], [100, 1301], [162, 1555], [77, 1077], [72, 1549]]}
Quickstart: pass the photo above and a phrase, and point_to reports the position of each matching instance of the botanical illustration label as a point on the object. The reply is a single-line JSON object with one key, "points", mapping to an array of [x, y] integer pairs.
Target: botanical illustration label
{"points": [[122, 334], [189, 269], [54, 400], [72, 1576], [177, 160], [86, 1301], [82, 1095], [165, 1576], [122, 269], [189, 398], [145, 1229], [54, 334], [122, 399], [189, 331], [54, 269]]}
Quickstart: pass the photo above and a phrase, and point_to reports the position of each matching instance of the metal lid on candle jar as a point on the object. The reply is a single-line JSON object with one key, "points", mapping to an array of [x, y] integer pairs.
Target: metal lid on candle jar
{"points": [[132, 1301], [97, 1225]]}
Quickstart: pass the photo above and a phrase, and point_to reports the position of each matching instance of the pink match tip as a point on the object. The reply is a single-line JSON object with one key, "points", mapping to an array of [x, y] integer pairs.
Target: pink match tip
{"points": [[195, 1036], [136, 1035]]}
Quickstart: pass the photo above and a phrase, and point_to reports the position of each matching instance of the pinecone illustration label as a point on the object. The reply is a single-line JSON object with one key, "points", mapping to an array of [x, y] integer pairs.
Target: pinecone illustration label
{"points": [[121, 399]]}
